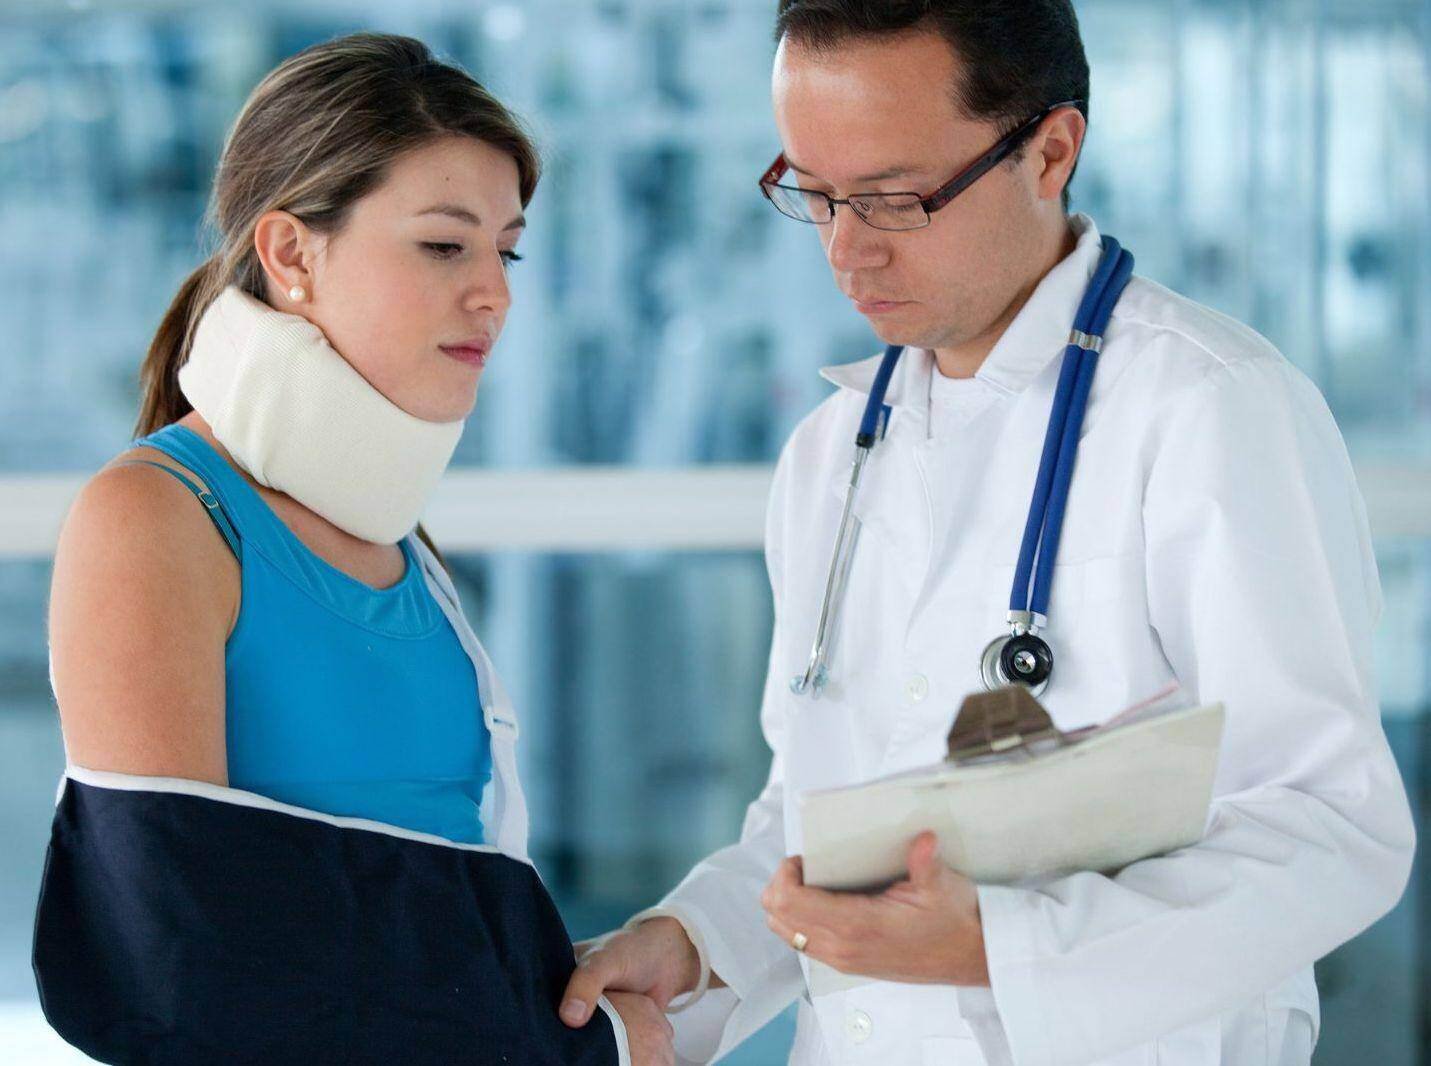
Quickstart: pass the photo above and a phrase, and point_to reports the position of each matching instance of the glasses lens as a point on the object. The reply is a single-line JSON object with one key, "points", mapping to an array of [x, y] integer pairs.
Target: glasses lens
{"points": [[898, 211], [799, 204]]}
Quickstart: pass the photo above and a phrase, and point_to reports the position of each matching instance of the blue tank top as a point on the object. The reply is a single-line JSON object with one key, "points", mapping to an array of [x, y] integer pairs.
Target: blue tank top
{"points": [[341, 698]]}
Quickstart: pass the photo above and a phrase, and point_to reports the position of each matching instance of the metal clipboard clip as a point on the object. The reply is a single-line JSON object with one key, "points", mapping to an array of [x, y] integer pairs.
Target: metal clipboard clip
{"points": [[1003, 720]]}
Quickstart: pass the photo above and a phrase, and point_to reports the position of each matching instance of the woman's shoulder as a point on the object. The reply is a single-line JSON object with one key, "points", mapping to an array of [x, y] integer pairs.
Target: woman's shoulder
{"points": [[143, 596], [133, 522], [151, 516]]}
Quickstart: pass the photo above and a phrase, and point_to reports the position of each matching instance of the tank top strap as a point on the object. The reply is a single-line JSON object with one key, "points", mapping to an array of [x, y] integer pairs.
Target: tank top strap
{"points": [[251, 518], [208, 499], [404, 608]]}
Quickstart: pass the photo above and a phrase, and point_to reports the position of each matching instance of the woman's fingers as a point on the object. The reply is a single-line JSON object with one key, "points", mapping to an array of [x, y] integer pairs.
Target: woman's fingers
{"points": [[589, 981]]}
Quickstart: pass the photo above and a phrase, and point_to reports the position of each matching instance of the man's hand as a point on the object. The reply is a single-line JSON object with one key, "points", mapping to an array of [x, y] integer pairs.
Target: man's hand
{"points": [[656, 959], [923, 930]]}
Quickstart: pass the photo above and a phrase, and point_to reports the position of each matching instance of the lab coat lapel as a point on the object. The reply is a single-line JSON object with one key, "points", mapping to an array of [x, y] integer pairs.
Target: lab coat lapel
{"points": [[892, 502]]}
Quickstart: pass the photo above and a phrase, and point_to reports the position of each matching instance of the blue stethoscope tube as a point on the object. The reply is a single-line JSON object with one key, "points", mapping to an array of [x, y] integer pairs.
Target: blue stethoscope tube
{"points": [[1022, 657]]}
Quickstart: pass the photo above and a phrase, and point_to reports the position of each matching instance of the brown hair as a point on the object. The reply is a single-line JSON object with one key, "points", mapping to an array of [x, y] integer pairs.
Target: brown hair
{"points": [[315, 136], [1017, 58]]}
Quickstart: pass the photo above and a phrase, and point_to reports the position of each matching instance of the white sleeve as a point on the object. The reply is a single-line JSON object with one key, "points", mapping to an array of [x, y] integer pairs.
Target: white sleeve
{"points": [[720, 897], [1263, 592]]}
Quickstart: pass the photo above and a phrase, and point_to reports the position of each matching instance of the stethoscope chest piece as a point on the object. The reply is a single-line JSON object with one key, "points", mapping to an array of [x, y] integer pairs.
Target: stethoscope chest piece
{"points": [[1023, 659]]}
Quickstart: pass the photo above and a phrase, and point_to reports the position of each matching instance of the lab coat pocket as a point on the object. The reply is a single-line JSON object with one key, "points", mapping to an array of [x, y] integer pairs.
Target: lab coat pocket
{"points": [[1067, 590], [951, 1051], [1199, 1044], [1113, 579], [891, 503], [1104, 579], [1097, 616], [822, 748]]}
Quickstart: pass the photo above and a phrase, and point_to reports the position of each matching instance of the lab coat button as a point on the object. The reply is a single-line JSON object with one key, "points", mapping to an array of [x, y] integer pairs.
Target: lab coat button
{"points": [[858, 1026], [917, 687]]}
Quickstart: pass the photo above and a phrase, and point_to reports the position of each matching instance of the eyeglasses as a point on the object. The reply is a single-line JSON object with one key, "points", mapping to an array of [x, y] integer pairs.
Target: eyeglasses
{"points": [[894, 210]]}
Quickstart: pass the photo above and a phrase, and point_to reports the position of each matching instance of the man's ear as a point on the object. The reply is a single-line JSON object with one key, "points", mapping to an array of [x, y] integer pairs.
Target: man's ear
{"points": [[1055, 150], [286, 248]]}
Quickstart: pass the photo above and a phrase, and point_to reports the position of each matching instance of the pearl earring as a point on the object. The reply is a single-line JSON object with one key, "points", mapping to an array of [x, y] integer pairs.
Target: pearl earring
{"points": [[298, 294]]}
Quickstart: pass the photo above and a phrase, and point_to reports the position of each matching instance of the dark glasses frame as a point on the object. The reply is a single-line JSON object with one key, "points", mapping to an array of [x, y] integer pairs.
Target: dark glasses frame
{"points": [[941, 196]]}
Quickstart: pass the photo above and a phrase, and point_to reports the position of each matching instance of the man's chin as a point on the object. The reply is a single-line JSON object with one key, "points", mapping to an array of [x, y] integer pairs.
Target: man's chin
{"points": [[908, 334]]}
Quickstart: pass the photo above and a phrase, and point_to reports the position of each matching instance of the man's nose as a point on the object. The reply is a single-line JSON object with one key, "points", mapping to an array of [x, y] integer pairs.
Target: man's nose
{"points": [[851, 243]]}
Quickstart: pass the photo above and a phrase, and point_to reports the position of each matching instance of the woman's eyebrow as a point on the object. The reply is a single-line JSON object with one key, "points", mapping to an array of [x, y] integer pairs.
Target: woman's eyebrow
{"points": [[452, 211], [464, 215]]}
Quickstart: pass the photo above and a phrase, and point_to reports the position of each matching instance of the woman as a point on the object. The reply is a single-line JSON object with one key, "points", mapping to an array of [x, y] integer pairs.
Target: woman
{"points": [[245, 614]]}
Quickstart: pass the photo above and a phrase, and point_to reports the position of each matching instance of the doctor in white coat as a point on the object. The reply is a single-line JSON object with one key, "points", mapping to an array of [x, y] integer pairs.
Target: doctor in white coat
{"points": [[1214, 536]]}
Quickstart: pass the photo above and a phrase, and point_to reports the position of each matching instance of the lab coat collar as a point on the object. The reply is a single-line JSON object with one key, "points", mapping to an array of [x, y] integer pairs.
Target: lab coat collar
{"points": [[908, 385], [1038, 333]]}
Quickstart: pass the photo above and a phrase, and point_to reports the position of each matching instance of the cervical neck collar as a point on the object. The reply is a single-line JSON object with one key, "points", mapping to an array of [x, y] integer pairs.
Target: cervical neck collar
{"points": [[299, 419]]}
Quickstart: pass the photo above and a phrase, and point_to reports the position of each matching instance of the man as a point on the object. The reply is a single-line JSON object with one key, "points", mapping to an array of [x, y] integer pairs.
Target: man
{"points": [[1213, 535]]}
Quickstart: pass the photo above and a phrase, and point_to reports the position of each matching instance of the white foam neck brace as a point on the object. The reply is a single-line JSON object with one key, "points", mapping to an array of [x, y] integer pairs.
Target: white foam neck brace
{"points": [[299, 419]]}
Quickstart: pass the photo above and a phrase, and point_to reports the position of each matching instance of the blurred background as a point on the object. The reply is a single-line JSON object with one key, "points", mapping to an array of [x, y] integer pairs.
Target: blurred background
{"points": [[1267, 158]]}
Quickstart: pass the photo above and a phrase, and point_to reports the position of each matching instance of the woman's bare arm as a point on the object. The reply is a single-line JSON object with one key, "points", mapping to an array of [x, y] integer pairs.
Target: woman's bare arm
{"points": [[144, 594]]}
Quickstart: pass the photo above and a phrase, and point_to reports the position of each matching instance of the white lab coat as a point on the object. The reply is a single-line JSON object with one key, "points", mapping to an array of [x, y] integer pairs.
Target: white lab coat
{"points": [[1214, 535]]}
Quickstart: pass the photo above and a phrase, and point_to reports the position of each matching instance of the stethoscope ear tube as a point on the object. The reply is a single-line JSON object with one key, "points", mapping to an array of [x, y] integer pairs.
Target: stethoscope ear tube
{"points": [[1088, 349], [869, 431], [814, 677], [1044, 526]]}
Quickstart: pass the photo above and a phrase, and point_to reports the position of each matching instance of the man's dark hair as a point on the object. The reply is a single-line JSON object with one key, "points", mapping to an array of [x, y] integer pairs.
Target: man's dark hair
{"points": [[1018, 56]]}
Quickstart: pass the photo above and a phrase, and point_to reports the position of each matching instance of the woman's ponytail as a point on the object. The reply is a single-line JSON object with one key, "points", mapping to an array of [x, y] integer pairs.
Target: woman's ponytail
{"points": [[162, 402]]}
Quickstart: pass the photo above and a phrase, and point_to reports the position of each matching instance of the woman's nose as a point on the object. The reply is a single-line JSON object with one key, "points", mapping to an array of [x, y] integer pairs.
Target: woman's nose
{"points": [[489, 290]]}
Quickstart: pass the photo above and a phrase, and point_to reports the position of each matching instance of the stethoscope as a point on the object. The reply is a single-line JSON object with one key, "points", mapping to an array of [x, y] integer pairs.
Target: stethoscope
{"points": [[1022, 657]]}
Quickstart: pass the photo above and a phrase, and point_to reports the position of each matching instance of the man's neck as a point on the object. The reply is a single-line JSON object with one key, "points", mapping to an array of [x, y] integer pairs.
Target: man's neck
{"points": [[964, 360]]}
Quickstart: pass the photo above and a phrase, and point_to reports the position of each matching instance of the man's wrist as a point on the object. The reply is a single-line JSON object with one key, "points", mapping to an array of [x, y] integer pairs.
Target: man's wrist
{"points": [[688, 970], [693, 974]]}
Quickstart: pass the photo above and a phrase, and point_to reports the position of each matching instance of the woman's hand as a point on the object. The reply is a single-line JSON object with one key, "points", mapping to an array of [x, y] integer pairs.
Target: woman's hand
{"points": [[648, 1034]]}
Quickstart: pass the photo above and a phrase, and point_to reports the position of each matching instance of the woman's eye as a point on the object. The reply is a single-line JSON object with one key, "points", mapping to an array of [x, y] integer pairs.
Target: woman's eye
{"points": [[443, 249], [509, 257]]}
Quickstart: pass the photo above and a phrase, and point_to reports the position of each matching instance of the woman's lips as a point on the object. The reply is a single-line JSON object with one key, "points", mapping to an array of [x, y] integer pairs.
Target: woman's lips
{"points": [[471, 354]]}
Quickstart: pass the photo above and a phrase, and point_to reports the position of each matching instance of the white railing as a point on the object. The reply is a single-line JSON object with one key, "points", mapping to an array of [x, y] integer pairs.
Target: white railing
{"points": [[586, 508]]}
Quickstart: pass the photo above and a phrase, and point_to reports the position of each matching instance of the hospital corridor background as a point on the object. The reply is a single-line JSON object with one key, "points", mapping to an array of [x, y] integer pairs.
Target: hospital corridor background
{"points": [[604, 510]]}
